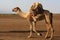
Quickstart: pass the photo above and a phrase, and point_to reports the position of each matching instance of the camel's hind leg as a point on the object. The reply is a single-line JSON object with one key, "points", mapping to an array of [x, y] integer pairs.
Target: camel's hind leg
{"points": [[49, 24], [49, 29], [52, 31]]}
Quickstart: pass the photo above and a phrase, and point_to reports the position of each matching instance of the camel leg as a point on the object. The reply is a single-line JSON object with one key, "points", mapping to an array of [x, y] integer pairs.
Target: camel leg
{"points": [[49, 26], [47, 31], [47, 23], [34, 28], [31, 28], [52, 32], [52, 29], [34, 18]]}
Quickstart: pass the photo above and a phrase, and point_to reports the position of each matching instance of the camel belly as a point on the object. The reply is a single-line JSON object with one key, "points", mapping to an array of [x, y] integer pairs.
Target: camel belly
{"points": [[41, 17]]}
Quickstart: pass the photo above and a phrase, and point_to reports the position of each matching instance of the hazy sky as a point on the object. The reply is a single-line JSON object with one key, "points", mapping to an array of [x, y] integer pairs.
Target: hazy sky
{"points": [[7, 5]]}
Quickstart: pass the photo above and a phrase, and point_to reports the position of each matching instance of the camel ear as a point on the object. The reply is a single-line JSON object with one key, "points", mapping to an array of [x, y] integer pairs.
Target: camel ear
{"points": [[18, 8]]}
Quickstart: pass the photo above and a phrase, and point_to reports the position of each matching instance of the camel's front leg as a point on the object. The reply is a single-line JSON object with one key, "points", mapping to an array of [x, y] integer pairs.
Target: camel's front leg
{"points": [[31, 28], [34, 28]]}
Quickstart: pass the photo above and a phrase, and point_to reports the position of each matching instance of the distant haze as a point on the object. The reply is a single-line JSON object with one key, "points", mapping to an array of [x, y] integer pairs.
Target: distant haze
{"points": [[6, 6]]}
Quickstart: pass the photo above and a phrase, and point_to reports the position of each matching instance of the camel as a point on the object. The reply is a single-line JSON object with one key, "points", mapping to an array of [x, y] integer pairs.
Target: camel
{"points": [[32, 18]]}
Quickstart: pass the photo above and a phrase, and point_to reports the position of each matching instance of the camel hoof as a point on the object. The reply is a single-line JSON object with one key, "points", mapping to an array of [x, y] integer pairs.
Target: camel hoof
{"points": [[47, 37], [29, 36], [39, 34]]}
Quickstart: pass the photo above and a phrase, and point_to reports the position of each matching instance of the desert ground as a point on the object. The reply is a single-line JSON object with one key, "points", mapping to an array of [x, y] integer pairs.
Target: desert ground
{"points": [[13, 27]]}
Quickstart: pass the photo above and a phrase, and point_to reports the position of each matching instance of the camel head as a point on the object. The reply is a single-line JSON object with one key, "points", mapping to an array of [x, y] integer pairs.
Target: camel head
{"points": [[16, 9]]}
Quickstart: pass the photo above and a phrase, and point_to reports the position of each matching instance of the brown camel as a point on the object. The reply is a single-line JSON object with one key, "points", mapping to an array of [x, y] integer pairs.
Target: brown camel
{"points": [[34, 15]]}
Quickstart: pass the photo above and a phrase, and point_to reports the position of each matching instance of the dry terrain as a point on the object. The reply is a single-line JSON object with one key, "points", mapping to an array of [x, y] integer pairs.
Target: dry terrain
{"points": [[13, 27]]}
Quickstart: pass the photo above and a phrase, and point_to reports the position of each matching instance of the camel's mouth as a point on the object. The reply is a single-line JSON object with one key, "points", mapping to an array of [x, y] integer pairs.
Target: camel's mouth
{"points": [[14, 10]]}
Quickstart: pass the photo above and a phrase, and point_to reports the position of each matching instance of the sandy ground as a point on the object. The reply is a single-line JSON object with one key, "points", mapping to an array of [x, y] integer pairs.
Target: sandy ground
{"points": [[15, 23]]}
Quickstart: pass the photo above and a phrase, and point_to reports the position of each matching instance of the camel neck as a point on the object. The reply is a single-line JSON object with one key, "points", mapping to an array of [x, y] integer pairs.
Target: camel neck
{"points": [[23, 15]]}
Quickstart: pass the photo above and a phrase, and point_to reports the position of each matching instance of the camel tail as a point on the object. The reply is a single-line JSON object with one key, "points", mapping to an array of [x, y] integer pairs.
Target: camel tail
{"points": [[51, 17]]}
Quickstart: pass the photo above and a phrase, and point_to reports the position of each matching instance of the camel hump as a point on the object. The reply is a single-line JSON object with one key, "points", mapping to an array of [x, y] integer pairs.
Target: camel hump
{"points": [[37, 8]]}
